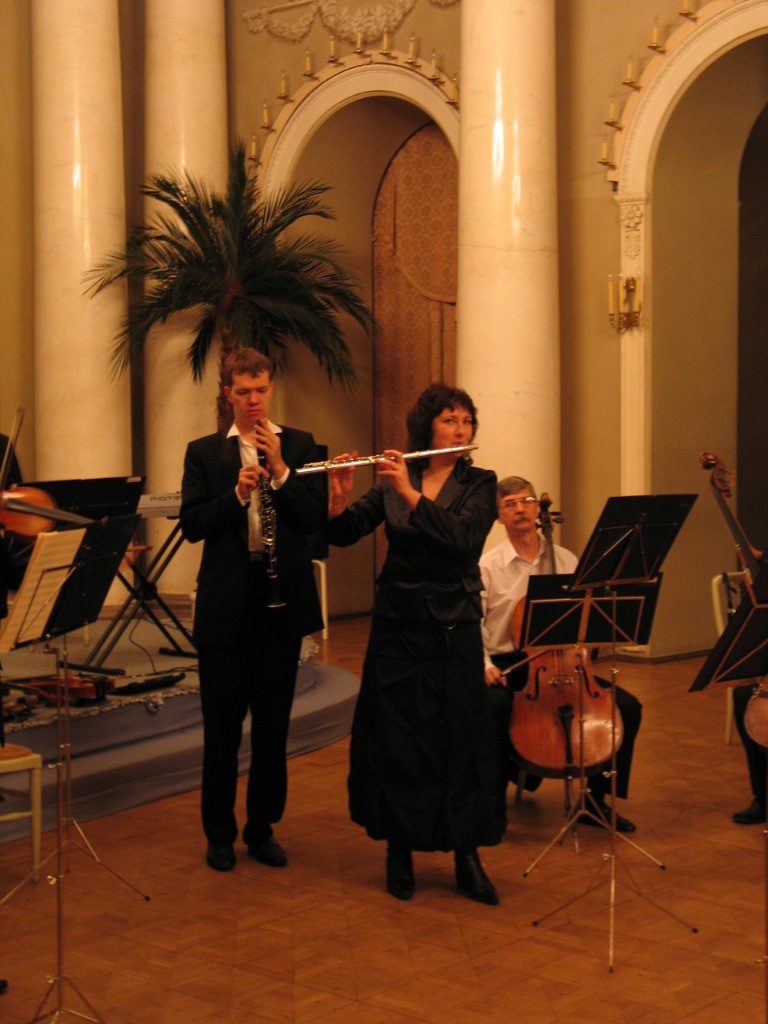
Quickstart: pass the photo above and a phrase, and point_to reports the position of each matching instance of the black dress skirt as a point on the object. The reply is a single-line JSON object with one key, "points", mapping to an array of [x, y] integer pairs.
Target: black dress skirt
{"points": [[423, 759]]}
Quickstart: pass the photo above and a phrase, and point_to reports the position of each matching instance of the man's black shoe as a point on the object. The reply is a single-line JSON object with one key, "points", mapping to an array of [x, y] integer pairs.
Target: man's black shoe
{"points": [[752, 815], [268, 851], [622, 824], [220, 858]]}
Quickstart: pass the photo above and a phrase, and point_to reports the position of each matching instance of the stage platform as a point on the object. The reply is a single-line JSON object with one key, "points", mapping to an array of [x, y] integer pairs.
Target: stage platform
{"points": [[134, 748]]}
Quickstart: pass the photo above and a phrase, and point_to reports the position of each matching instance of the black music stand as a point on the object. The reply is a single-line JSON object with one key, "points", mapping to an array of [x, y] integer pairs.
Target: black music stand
{"points": [[626, 550], [741, 653], [142, 594], [103, 497], [64, 586]]}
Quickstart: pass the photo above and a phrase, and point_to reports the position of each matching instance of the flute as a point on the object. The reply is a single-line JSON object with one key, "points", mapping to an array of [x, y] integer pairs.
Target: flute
{"points": [[371, 460]]}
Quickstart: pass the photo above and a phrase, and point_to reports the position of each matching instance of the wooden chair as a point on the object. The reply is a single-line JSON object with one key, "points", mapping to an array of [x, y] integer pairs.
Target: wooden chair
{"points": [[13, 760]]}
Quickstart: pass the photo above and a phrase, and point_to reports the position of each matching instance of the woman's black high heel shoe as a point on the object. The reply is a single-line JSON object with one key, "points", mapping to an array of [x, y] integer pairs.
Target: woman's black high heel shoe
{"points": [[400, 880], [472, 881]]}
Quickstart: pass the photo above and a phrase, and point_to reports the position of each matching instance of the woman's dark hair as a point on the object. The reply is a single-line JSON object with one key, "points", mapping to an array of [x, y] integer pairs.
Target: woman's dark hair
{"points": [[430, 404]]}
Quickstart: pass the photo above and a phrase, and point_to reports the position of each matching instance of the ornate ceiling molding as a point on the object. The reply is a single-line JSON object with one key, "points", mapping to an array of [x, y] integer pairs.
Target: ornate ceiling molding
{"points": [[292, 20]]}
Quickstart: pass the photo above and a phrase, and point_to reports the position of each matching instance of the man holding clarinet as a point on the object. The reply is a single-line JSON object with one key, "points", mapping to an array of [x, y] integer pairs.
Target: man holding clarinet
{"points": [[256, 599]]}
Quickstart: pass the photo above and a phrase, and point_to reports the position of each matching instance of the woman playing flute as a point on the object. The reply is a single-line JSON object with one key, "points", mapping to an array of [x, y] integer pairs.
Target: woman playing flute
{"points": [[422, 755]]}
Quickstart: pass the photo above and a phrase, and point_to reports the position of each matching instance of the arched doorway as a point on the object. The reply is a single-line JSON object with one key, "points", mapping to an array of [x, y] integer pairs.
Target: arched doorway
{"points": [[415, 236], [346, 132], [678, 175]]}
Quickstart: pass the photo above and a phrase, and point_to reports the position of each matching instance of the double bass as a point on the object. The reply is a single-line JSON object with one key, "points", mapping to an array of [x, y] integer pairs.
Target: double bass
{"points": [[563, 721], [721, 482]]}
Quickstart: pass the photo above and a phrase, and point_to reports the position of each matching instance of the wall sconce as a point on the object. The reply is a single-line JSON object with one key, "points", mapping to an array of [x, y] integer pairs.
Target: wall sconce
{"points": [[625, 305]]}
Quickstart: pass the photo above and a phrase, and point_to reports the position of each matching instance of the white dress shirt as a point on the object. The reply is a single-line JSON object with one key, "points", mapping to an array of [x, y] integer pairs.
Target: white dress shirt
{"points": [[505, 582]]}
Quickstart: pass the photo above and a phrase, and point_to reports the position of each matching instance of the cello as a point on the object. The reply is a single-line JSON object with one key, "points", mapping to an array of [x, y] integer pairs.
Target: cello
{"points": [[562, 721], [721, 482]]}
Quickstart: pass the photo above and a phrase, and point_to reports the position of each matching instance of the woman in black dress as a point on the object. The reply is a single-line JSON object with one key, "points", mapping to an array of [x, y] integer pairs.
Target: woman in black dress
{"points": [[422, 755]]}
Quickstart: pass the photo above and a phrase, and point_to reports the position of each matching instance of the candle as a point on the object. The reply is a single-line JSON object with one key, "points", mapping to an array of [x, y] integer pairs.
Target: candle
{"points": [[434, 61], [610, 295], [604, 151], [265, 114], [638, 302], [307, 62], [655, 34], [359, 43], [283, 85], [412, 47], [630, 62], [253, 147], [332, 54], [385, 43], [621, 293], [612, 112]]}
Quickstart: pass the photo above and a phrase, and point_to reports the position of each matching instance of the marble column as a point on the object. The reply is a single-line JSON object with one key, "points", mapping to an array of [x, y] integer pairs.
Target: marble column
{"points": [[186, 129], [82, 414], [508, 343]]}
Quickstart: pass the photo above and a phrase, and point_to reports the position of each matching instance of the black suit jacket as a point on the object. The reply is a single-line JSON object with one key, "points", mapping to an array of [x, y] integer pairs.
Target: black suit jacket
{"points": [[211, 512]]}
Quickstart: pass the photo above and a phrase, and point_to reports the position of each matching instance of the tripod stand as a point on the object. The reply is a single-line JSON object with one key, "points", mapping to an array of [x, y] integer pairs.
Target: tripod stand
{"points": [[64, 587], [626, 549]]}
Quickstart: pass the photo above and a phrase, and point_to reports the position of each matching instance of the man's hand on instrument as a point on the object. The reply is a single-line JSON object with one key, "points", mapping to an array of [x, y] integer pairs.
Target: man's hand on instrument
{"points": [[494, 677], [248, 479], [269, 443]]}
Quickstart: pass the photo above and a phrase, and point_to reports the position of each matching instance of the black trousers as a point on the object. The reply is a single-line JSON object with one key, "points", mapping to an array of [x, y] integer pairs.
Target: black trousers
{"points": [[257, 673], [502, 699], [756, 755]]}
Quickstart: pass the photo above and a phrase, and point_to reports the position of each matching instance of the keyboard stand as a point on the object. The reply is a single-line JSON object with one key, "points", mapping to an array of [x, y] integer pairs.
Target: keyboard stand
{"points": [[142, 593]]}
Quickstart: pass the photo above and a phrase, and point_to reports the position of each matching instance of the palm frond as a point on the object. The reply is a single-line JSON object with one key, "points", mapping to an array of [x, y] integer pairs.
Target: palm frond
{"points": [[237, 259]]}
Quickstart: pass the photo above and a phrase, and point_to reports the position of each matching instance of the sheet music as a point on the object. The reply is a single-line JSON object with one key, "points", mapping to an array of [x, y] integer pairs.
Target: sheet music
{"points": [[49, 565]]}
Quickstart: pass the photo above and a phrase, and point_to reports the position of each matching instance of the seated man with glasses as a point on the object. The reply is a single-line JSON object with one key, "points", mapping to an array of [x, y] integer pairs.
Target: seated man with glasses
{"points": [[505, 571]]}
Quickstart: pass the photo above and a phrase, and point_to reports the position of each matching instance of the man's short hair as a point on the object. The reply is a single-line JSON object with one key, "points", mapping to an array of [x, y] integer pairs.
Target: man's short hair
{"points": [[513, 485], [244, 360]]}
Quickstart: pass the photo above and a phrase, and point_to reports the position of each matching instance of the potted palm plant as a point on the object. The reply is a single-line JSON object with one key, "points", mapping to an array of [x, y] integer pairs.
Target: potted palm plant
{"points": [[236, 260]]}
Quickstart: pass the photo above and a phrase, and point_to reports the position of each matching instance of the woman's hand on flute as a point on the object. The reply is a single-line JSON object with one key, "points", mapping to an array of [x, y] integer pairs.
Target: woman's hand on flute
{"points": [[340, 484], [394, 467]]}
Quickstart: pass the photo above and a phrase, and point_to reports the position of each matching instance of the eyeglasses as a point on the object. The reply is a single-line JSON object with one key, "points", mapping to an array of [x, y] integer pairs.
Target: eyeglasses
{"points": [[522, 502]]}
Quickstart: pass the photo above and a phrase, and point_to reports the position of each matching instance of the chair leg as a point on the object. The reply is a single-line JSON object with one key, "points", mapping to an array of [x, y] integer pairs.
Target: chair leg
{"points": [[521, 777]]}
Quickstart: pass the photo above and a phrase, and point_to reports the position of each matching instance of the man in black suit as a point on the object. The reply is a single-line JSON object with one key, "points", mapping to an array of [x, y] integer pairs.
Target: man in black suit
{"points": [[248, 649]]}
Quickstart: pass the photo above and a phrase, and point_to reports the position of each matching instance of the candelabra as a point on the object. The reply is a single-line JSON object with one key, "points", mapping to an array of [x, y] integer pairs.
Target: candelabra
{"points": [[624, 303]]}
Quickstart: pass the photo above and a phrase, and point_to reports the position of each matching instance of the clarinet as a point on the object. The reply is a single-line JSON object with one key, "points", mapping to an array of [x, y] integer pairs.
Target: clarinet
{"points": [[268, 515]]}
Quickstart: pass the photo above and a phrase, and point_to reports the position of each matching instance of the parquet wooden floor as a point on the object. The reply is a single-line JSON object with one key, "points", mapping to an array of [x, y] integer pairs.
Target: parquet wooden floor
{"points": [[321, 942]]}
